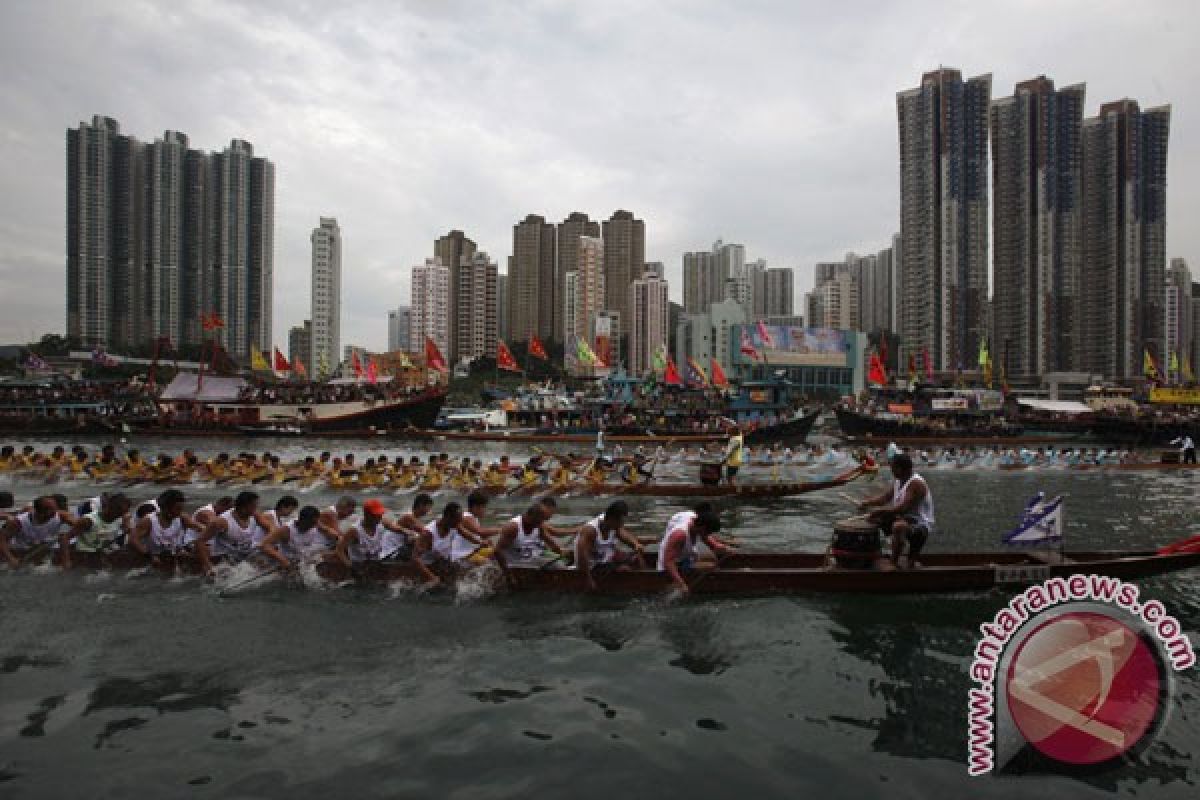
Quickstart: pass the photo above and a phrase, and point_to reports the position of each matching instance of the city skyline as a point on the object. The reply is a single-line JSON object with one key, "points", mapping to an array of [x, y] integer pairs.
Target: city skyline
{"points": [[811, 173]]}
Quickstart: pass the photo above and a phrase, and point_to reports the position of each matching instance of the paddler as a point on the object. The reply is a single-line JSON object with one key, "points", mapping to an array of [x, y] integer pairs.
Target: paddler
{"points": [[295, 541], [233, 535], [521, 542], [597, 544], [164, 530], [34, 531], [904, 511], [677, 550], [338, 515], [205, 514], [103, 530], [444, 543], [370, 540]]}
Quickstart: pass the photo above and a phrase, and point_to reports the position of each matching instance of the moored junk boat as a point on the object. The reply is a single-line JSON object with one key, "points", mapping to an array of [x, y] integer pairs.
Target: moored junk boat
{"points": [[56, 406], [189, 405], [927, 413]]}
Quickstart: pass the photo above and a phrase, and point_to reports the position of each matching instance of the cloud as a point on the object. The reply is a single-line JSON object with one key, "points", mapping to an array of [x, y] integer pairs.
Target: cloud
{"points": [[770, 124]]}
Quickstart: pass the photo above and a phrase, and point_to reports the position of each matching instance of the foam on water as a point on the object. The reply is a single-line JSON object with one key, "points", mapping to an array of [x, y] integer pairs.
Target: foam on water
{"points": [[477, 584]]}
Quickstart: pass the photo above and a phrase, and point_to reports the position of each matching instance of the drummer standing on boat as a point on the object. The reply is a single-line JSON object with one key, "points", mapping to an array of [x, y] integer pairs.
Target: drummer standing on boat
{"points": [[734, 454], [905, 511], [1187, 449]]}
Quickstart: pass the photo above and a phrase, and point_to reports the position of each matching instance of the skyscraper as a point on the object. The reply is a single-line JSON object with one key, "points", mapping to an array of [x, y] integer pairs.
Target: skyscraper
{"points": [[456, 252], [1036, 179], [624, 259], [1124, 153], [300, 347], [502, 306], [570, 230], [430, 306], [648, 327], [775, 291], [584, 290], [399, 328], [532, 281], [706, 275], [1178, 320], [160, 236], [477, 306], [943, 129], [326, 241]]}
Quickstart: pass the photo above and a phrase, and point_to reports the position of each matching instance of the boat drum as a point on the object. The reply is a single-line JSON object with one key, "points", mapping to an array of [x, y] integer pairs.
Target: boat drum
{"points": [[856, 543]]}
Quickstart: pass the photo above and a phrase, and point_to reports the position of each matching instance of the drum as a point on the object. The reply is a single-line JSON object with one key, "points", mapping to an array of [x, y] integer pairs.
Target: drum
{"points": [[710, 474], [856, 543]]}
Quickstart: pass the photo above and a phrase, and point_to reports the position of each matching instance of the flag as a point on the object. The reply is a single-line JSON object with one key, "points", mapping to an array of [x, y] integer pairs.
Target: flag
{"points": [[748, 347], [281, 363], [1149, 369], [718, 375], [928, 363], [372, 371], [876, 373], [257, 362], [536, 349], [356, 364], [298, 369], [585, 354], [34, 361], [1187, 371], [322, 366], [696, 373], [403, 361], [433, 356], [211, 322], [671, 374], [1041, 522], [659, 359], [983, 353], [912, 366], [504, 357], [1174, 362], [764, 335]]}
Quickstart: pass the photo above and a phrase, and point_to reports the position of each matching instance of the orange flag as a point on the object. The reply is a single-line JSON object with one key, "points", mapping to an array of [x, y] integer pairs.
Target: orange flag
{"points": [[504, 358], [718, 375], [356, 364], [536, 349], [281, 363], [298, 368], [433, 356]]}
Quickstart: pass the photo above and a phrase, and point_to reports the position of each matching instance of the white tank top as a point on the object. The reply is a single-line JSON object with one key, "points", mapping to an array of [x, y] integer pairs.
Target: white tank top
{"points": [[924, 509], [298, 543], [527, 545], [453, 546], [102, 535], [604, 548], [680, 521], [168, 539], [32, 534], [366, 545], [344, 525], [238, 539]]}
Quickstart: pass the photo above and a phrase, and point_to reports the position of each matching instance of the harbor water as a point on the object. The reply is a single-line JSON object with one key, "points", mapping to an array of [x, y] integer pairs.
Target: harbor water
{"points": [[122, 685]]}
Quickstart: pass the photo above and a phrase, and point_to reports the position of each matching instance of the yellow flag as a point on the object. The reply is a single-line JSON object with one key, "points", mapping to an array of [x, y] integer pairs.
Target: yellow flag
{"points": [[1148, 368], [257, 362], [1187, 371]]}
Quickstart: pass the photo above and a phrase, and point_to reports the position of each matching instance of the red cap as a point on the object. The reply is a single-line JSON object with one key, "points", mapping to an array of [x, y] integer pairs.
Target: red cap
{"points": [[374, 507]]}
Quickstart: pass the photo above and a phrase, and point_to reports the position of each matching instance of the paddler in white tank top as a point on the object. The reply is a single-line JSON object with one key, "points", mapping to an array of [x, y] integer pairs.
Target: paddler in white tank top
{"points": [[677, 550], [904, 511], [597, 544], [233, 535], [164, 531], [205, 514], [102, 530], [295, 541], [280, 515], [40, 528], [336, 519], [371, 539], [444, 541], [521, 542]]}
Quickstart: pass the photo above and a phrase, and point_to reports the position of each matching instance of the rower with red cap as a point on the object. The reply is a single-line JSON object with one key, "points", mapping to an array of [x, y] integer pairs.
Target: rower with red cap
{"points": [[375, 538]]}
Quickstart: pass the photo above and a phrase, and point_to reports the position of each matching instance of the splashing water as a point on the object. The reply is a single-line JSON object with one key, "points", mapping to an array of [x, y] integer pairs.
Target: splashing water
{"points": [[477, 584]]}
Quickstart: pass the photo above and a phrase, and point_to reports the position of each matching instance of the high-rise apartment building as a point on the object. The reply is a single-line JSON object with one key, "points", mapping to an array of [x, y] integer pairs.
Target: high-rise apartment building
{"points": [[455, 250], [477, 304], [586, 287], [161, 236], [326, 312], [502, 306], [1124, 151], [300, 347], [399, 328], [774, 295], [624, 259], [876, 276], [430, 306], [706, 275], [1036, 212], [532, 281], [1177, 324], [576, 225], [943, 132], [648, 329]]}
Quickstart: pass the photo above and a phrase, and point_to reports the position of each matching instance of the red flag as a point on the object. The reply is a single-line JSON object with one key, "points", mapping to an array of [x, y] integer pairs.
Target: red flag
{"points": [[912, 366], [765, 335], [928, 363], [504, 356], [356, 364], [372, 371], [671, 374], [281, 363], [433, 356], [748, 347], [718, 375], [535, 349], [876, 373], [298, 368]]}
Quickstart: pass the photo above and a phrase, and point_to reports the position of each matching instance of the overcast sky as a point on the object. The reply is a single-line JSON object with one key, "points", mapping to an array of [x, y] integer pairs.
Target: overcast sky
{"points": [[771, 124]]}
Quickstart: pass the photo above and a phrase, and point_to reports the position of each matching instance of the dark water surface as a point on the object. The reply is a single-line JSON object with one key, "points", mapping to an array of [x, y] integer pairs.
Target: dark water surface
{"points": [[122, 686]]}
